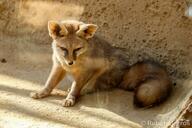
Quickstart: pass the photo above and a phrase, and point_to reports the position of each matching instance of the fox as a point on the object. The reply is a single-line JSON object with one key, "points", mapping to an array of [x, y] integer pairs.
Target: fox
{"points": [[95, 63]]}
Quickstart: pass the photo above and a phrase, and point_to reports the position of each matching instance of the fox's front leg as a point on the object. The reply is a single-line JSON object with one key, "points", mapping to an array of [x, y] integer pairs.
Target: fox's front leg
{"points": [[56, 75], [80, 79]]}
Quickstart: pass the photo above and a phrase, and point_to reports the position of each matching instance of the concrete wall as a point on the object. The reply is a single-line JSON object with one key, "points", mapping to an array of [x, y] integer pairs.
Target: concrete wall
{"points": [[154, 29]]}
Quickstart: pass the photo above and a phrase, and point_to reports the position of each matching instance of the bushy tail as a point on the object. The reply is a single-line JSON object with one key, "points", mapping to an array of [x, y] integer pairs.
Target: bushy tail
{"points": [[150, 82], [151, 92]]}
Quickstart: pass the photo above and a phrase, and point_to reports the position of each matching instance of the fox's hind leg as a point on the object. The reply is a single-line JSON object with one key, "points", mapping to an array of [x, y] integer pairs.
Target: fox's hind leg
{"points": [[129, 81], [56, 75], [128, 85]]}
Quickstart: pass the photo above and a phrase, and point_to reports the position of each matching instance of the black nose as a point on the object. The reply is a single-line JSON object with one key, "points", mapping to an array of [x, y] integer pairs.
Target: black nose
{"points": [[70, 63]]}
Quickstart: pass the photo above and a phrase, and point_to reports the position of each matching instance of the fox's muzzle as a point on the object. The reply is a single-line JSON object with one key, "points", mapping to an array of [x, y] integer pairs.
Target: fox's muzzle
{"points": [[70, 63]]}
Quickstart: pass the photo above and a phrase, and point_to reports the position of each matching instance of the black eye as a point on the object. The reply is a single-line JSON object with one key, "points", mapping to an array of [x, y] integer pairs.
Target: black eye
{"points": [[77, 50], [61, 35], [65, 50]]}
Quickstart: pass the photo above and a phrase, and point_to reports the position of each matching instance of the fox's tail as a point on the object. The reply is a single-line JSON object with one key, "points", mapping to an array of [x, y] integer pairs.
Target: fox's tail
{"points": [[150, 83], [151, 92]]}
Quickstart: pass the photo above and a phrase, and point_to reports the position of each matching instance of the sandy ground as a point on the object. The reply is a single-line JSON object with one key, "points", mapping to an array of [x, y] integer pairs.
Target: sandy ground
{"points": [[17, 109], [111, 109]]}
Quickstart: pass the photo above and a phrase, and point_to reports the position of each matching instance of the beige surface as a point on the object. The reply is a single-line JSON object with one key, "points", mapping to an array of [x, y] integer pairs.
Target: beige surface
{"points": [[153, 28]]}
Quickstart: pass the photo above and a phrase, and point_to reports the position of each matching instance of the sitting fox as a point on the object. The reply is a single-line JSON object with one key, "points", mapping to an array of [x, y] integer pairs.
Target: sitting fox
{"points": [[96, 63]]}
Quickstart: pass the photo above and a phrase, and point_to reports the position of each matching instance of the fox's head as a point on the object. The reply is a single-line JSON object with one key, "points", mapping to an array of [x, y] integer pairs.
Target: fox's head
{"points": [[70, 39]]}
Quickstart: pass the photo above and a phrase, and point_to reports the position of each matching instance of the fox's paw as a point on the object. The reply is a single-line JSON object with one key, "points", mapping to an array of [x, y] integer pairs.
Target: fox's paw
{"points": [[69, 101], [68, 90], [38, 95]]}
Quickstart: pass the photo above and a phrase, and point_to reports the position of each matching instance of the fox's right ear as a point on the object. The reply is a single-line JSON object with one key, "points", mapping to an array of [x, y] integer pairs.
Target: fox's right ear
{"points": [[87, 30], [56, 30]]}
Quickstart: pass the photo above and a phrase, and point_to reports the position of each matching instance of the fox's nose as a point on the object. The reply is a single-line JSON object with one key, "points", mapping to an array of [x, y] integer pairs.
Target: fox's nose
{"points": [[70, 63]]}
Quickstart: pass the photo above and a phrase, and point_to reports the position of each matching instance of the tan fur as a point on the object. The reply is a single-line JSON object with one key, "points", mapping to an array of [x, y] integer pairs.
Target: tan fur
{"points": [[149, 80], [90, 61]]}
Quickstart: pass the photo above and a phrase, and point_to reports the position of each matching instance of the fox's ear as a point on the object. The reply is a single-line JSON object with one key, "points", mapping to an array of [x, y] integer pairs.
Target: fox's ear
{"points": [[56, 30], [87, 30]]}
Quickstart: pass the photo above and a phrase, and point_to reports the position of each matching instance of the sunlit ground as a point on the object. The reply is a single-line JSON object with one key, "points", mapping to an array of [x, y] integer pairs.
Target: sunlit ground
{"points": [[18, 110]]}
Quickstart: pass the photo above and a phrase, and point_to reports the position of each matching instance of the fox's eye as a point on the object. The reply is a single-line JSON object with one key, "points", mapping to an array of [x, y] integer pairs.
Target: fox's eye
{"points": [[65, 50], [77, 49], [61, 35]]}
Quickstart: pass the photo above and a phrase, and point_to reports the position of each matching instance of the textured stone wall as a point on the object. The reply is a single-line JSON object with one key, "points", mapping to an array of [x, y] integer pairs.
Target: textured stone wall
{"points": [[154, 29]]}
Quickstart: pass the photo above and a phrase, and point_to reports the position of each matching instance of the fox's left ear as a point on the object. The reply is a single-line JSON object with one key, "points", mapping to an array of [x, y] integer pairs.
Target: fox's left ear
{"points": [[56, 29], [87, 30]]}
